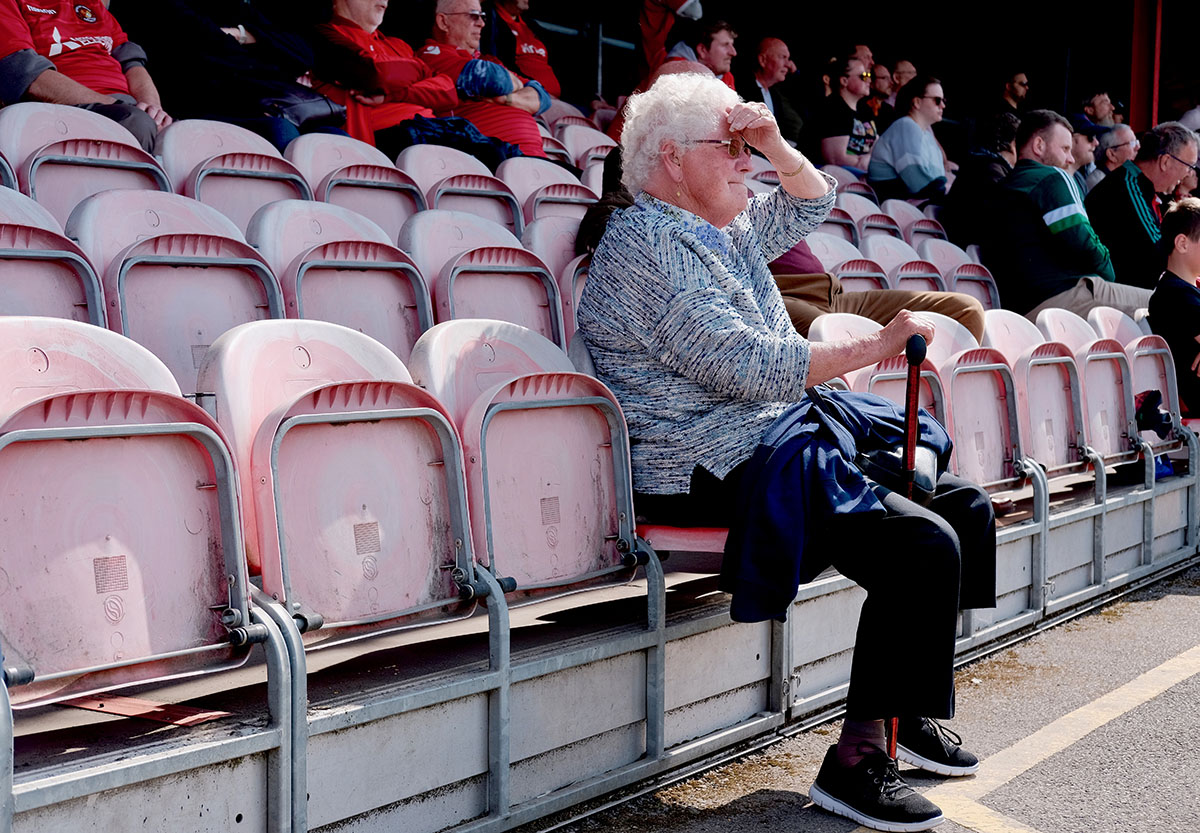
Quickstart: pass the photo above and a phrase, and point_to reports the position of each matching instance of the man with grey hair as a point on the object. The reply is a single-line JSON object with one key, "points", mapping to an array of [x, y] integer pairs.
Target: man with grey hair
{"points": [[1125, 208], [1117, 145]]}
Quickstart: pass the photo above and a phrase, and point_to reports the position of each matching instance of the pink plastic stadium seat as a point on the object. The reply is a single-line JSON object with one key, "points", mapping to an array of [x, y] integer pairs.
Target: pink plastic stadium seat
{"points": [[352, 479], [1150, 363], [63, 154], [960, 272], [335, 265], [456, 181], [844, 176], [886, 378], [41, 271], [547, 457], [176, 273], [553, 240], [122, 554], [478, 269], [915, 226], [903, 265], [563, 122], [543, 189], [1107, 384], [870, 218], [585, 143], [228, 167], [556, 150], [1049, 396], [839, 223], [354, 175], [842, 259], [860, 189]]}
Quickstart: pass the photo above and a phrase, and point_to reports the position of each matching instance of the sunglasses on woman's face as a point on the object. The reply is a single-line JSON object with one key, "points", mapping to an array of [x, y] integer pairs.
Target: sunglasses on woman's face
{"points": [[736, 145]]}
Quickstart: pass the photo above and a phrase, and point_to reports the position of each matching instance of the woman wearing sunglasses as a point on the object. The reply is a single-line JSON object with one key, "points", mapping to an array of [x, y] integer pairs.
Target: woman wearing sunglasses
{"points": [[687, 327], [907, 161]]}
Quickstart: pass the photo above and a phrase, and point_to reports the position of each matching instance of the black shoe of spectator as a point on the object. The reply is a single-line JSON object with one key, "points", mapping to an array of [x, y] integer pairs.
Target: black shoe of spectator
{"points": [[928, 745], [873, 794]]}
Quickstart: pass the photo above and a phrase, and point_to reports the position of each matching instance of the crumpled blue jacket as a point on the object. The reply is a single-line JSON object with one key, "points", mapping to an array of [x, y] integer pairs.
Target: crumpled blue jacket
{"points": [[802, 474]]}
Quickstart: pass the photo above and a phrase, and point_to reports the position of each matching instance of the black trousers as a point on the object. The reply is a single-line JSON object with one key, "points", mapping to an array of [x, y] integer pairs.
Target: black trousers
{"points": [[919, 565]]}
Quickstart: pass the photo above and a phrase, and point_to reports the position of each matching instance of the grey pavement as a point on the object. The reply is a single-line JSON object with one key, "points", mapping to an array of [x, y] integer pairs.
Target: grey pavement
{"points": [[1090, 727]]}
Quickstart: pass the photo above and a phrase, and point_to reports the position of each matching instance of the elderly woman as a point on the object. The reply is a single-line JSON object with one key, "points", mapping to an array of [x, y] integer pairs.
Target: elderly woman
{"points": [[907, 161], [686, 325]]}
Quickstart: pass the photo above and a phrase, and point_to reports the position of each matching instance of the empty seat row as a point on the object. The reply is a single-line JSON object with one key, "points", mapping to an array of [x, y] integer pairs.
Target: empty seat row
{"points": [[61, 155]]}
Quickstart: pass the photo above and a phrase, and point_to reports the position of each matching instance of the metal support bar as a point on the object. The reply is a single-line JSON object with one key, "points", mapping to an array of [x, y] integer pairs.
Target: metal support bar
{"points": [[6, 761], [500, 664], [656, 656], [281, 703]]}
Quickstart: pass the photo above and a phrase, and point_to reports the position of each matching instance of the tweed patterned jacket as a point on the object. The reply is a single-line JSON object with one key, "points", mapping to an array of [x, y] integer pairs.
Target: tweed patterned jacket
{"points": [[686, 325]]}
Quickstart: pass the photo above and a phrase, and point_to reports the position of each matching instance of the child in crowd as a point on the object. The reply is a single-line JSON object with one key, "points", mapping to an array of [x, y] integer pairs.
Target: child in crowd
{"points": [[1175, 304]]}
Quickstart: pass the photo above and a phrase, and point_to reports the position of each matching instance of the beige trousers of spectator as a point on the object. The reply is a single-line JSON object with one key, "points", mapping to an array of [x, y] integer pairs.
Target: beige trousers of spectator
{"points": [[807, 296], [1092, 292]]}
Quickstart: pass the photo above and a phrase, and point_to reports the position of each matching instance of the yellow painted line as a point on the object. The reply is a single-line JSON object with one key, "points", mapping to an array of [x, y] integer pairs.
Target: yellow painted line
{"points": [[973, 816]]}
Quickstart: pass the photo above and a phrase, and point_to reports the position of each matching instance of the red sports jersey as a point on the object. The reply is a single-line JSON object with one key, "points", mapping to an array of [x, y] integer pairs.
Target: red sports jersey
{"points": [[532, 59], [78, 37], [506, 123]]}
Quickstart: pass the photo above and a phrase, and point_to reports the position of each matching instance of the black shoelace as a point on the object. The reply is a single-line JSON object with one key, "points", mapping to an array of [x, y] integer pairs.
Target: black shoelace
{"points": [[946, 736]]}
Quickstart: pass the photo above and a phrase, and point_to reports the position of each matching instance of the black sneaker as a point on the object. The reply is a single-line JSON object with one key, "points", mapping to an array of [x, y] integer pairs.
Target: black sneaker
{"points": [[873, 794], [928, 745]]}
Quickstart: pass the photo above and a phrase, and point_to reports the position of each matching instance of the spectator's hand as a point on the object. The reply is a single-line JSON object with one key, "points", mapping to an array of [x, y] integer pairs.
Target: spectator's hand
{"points": [[156, 112], [369, 100], [895, 334], [1196, 364], [756, 125]]}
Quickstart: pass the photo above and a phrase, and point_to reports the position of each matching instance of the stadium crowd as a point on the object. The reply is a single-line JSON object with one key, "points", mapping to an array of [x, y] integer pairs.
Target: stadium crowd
{"points": [[1068, 210]]}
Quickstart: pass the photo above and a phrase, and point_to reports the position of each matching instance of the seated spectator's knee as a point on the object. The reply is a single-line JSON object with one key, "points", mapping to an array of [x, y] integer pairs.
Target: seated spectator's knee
{"points": [[133, 119]]}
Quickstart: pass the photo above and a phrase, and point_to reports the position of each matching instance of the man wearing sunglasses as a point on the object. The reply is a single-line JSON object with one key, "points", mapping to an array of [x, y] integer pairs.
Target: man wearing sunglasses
{"points": [[1125, 207], [842, 123], [498, 102]]}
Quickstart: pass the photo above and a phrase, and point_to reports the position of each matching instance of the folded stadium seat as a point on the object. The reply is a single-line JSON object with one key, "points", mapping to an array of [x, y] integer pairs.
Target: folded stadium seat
{"points": [[1141, 317], [593, 178], [335, 265], [840, 224], [914, 225], [904, 267], [870, 218], [1107, 385], [973, 252], [1049, 393], [888, 377], [586, 144], [8, 178], [228, 167], [563, 122], [572, 280], [960, 272], [547, 450], [842, 259], [476, 268], [176, 273], [63, 154], [357, 176], [544, 189], [555, 149], [354, 502], [41, 271], [457, 181], [553, 240], [1150, 364], [122, 557]]}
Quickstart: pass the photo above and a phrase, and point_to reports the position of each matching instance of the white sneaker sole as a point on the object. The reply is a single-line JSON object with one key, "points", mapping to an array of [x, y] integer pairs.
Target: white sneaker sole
{"points": [[912, 758], [827, 802]]}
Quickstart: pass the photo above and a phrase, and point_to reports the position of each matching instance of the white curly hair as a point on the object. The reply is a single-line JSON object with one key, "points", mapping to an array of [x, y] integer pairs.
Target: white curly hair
{"points": [[676, 108]]}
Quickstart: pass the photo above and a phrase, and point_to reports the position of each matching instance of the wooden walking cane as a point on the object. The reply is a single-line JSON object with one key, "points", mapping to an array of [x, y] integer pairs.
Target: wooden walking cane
{"points": [[914, 352]]}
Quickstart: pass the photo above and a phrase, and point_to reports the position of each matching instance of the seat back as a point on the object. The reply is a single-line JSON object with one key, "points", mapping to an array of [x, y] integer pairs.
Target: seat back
{"points": [[352, 477], [585, 143], [543, 189], [63, 154], [1112, 323], [904, 267], [1009, 332], [831, 250], [41, 271], [839, 223], [336, 265], [228, 167], [950, 337], [121, 543], [176, 273], [861, 189], [547, 457], [943, 254], [985, 425], [478, 269], [553, 240], [354, 175], [456, 181], [844, 176]]}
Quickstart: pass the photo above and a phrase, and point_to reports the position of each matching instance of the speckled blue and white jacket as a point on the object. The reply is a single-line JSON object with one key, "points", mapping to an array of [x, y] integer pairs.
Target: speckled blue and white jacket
{"points": [[686, 325]]}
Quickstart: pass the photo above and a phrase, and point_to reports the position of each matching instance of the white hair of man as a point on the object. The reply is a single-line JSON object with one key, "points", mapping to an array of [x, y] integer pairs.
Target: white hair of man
{"points": [[676, 108], [447, 6]]}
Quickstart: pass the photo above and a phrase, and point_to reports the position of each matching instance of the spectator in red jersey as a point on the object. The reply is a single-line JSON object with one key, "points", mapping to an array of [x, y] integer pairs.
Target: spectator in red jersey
{"points": [[508, 36], [76, 53], [378, 78], [654, 23], [497, 101]]}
